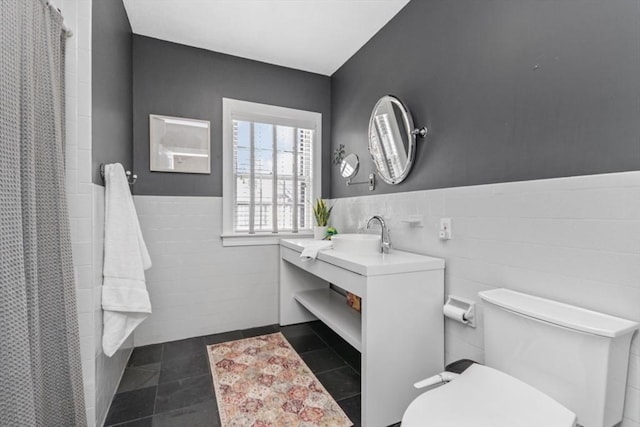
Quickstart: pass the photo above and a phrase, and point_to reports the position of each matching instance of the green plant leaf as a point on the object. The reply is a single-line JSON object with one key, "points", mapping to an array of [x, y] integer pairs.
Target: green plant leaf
{"points": [[321, 212]]}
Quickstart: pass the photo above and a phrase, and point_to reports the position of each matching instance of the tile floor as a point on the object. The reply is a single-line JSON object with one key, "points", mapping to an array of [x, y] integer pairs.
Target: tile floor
{"points": [[170, 384]]}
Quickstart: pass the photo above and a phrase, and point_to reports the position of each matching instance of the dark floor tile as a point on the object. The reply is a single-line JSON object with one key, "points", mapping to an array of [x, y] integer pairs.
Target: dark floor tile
{"points": [[348, 353], [183, 348], [339, 345], [223, 337], [300, 329], [137, 377], [322, 360], [201, 415], [306, 343], [352, 406], [142, 422], [183, 393], [320, 328], [260, 330], [131, 405], [145, 355], [185, 367], [327, 335], [341, 383]]}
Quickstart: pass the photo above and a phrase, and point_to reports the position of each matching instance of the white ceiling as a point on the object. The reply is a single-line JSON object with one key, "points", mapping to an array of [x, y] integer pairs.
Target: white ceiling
{"points": [[310, 35]]}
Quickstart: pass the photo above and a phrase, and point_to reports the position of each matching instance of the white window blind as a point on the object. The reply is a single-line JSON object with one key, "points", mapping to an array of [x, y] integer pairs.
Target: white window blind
{"points": [[273, 174]]}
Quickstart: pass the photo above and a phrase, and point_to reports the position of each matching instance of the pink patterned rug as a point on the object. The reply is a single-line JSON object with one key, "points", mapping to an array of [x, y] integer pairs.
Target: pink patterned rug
{"points": [[263, 382]]}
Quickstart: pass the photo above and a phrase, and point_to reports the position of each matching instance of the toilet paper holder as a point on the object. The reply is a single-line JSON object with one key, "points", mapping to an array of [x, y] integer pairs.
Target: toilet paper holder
{"points": [[461, 310]]}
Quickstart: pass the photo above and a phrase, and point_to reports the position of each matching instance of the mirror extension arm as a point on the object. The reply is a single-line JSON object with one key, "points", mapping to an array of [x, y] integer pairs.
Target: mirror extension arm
{"points": [[371, 181]]}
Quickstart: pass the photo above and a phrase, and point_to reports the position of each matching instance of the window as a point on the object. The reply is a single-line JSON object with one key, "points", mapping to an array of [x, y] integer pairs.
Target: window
{"points": [[271, 173]]}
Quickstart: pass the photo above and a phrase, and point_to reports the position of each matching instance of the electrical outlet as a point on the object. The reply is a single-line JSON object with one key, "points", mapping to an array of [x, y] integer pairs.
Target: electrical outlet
{"points": [[445, 228]]}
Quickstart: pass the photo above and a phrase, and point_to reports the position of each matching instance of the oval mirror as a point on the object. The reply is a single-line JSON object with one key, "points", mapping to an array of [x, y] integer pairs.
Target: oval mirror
{"points": [[392, 139], [349, 166]]}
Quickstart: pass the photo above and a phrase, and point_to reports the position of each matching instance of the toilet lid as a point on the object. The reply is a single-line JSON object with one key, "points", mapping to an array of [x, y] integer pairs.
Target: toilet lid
{"points": [[485, 397]]}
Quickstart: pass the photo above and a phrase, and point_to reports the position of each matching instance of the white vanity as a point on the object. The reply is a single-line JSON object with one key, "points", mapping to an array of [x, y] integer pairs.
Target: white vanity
{"points": [[400, 333]]}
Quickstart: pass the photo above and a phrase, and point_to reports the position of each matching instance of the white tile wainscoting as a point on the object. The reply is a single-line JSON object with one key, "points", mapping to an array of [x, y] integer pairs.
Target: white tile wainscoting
{"points": [[575, 240], [197, 286]]}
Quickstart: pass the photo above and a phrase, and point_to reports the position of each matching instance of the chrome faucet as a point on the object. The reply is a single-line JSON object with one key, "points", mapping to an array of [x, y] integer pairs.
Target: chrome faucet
{"points": [[385, 236]]}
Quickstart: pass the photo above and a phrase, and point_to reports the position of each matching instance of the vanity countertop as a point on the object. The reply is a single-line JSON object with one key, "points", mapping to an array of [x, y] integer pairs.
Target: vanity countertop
{"points": [[370, 264]]}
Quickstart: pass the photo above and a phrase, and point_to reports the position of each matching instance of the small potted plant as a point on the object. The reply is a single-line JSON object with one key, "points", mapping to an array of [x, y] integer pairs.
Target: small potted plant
{"points": [[322, 212]]}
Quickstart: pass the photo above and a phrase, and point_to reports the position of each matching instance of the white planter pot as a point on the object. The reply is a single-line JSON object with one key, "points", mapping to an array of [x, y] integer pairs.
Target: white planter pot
{"points": [[319, 233]]}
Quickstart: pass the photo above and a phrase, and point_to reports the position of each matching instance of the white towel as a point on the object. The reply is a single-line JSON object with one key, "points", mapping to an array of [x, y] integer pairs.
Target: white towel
{"points": [[312, 248], [125, 301]]}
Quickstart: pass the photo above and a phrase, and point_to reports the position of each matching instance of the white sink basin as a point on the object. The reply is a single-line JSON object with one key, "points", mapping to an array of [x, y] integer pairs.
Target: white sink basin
{"points": [[356, 243]]}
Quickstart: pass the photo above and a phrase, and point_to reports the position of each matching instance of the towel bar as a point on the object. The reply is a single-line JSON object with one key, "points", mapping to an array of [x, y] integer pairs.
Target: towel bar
{"points": [[131, 177]]}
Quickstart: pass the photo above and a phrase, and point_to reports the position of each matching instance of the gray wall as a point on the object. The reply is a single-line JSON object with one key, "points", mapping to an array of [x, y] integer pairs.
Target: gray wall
{"points": [[510, 90], [112, 112], [176, 80]]}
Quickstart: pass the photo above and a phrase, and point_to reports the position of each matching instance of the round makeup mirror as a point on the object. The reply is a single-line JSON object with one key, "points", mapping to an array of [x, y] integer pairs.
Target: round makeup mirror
{"points": [[392, 139], [349, 166]]}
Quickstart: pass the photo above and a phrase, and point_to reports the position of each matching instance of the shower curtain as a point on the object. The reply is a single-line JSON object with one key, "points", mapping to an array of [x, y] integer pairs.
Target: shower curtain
{"points": [[40, 371]]}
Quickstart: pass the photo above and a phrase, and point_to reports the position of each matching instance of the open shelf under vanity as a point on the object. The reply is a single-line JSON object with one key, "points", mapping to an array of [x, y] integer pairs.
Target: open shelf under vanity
{"points": [[331, 308]]}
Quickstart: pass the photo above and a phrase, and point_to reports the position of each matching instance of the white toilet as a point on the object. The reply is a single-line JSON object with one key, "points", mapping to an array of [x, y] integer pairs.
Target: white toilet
{"points": [[548, 364]]}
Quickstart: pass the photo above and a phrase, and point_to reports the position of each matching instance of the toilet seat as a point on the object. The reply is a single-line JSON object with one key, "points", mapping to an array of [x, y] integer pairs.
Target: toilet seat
{"points": [[485, 397]]}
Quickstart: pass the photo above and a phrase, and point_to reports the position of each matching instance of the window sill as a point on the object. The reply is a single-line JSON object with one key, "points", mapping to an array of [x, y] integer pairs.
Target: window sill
{"points": [[260, 239]]}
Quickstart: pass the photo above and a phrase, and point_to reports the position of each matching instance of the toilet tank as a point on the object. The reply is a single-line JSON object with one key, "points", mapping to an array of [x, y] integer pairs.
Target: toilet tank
{"points": [[578, 357]]}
